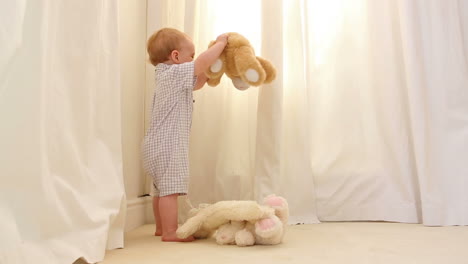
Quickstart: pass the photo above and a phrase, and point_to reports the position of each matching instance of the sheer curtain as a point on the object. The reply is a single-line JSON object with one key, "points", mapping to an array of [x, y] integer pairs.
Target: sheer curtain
{"points": [[365, 121], [61, 183], [388, 92]]}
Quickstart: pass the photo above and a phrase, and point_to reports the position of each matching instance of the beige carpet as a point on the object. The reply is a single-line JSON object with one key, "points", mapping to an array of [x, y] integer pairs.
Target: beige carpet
{"points": [[358, 242]]}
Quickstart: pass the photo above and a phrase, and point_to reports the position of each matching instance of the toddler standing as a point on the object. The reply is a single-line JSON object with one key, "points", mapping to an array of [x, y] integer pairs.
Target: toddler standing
{"points": [[166, 143]]}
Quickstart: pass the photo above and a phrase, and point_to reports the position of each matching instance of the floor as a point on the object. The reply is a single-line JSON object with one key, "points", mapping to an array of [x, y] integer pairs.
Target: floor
{"points": [[325, 243]]}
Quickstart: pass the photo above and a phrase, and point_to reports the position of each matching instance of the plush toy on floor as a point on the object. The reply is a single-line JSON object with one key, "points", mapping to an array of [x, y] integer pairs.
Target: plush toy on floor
{"points": [[243, 223], [239, 62]]}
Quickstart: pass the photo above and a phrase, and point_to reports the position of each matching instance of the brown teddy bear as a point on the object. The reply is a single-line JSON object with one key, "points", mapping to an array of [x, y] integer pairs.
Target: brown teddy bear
{"points": [[239, 62]]}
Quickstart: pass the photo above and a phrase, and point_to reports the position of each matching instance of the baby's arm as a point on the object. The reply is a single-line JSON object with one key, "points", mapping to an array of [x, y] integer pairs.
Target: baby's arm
{"points": [[201, 80], [209, 56]]}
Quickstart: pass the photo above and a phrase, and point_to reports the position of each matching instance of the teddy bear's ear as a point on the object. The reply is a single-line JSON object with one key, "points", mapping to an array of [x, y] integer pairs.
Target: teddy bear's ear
{"points": [[269, 69]]}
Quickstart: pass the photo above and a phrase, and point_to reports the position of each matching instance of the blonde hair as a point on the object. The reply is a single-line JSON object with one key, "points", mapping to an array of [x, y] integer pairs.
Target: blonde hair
{"points": [[161, 44]]}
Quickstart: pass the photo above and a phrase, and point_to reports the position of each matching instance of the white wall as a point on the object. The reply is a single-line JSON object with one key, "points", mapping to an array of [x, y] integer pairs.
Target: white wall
{"points": [[132, 16]]}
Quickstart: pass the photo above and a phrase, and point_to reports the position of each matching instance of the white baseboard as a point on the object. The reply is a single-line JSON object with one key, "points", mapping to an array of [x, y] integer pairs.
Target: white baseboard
{"points": [[140, 212], [149, 213], [137, 211]]}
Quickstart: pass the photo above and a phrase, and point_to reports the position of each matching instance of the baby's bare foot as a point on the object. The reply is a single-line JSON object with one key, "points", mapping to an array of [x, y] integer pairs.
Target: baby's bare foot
{"points": [[174, 238], [158, 233]]}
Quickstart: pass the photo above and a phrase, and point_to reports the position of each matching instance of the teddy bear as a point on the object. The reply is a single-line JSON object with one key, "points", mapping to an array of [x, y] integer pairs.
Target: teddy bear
{"points": [[266, 231], [238, 62], [243, 223]]}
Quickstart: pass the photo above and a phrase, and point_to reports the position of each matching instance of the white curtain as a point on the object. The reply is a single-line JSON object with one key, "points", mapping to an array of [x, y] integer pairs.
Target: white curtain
{"points": [[61, 185], [388, 95], [367, 119]]}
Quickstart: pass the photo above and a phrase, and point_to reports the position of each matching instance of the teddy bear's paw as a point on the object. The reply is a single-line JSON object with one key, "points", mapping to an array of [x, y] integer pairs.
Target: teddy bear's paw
{"points": [[225, 235], [266, 224], [240, 84], [268, 227], [244, 238], [280, 205], [252, 75], [217, 66], [213, 82], [223, 239], [269, 69], [275, 201]]}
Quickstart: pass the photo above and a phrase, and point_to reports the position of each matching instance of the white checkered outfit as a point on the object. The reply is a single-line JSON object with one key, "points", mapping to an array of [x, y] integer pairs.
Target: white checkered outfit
{"points": [[166, 143]]}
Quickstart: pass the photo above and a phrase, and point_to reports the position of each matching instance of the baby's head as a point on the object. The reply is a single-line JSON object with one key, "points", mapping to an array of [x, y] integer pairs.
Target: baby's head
{"points": [[171, 46]]}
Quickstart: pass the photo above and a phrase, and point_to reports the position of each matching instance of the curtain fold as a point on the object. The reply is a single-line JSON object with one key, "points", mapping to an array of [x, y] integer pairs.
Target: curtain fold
{"points": [[366, 120], [62, 195], [283, 137], [435, 41], [383, 112]]}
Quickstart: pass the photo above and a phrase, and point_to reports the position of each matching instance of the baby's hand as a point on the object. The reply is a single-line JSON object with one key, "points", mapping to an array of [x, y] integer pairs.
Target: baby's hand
{"points": [[222, 38]]}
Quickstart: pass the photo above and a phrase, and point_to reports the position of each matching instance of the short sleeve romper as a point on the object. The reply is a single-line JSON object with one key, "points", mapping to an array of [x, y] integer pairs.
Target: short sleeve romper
{"points": [[166, 143]]}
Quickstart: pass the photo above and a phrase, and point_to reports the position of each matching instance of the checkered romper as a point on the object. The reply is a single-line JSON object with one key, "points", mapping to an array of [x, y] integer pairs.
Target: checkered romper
{"points": [[166, 143]]}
